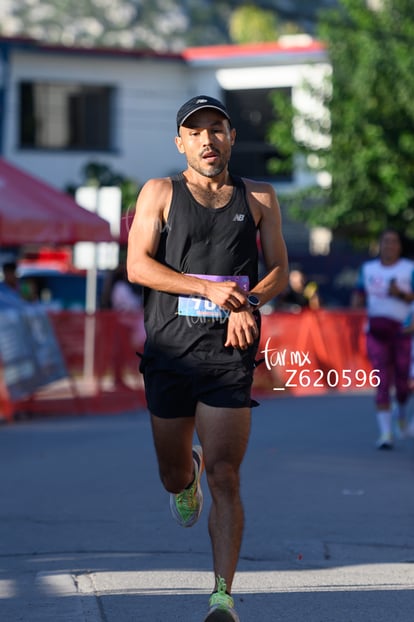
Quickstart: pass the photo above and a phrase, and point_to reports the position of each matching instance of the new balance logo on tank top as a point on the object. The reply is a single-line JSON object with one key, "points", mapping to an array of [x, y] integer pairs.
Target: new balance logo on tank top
{"points": [[213, 243]]}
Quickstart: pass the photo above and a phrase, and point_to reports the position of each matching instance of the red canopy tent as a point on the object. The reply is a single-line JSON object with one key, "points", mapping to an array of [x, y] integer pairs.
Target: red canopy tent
{"points": [[31, 211]]}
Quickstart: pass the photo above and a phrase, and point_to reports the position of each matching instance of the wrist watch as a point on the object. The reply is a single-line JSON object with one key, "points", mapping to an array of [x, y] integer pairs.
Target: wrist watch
{"points": [[253, 301]]}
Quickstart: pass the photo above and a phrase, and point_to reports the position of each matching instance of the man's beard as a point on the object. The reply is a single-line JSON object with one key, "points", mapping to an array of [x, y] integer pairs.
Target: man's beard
{"points": [[207, 171]]}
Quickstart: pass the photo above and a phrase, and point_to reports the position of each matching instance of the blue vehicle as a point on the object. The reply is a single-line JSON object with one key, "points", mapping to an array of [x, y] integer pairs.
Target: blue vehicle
{"points": [[56, 289]]}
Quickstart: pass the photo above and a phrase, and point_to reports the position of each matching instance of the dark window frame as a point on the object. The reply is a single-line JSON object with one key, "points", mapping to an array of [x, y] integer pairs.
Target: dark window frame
{"points": [[82, 113], [251, 112]]}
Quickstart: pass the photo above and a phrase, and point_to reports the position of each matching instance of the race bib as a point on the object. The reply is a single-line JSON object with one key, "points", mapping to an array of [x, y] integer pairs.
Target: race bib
{"points": [[196, 306]]}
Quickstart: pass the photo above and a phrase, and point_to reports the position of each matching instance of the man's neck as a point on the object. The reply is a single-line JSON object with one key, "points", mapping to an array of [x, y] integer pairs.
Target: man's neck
{"points": [[209, 184], [210, 192]]}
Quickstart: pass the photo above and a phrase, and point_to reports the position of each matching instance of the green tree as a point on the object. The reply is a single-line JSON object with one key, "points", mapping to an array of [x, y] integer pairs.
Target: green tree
{"points": [[97, 175], [155, 24], [251, 24], [371, 102]]}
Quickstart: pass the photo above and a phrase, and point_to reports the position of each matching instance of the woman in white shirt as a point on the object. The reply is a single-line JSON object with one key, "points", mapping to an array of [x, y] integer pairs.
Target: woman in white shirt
{"points": [[385, 286]]}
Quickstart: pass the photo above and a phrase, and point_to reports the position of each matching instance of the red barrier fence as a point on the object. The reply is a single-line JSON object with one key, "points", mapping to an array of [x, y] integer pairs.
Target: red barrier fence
{"points": [[304, 353], [314, 352]]}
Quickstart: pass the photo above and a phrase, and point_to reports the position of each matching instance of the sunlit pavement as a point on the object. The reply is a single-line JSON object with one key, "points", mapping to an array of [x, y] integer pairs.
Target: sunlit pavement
{"points": [[86, 534]]}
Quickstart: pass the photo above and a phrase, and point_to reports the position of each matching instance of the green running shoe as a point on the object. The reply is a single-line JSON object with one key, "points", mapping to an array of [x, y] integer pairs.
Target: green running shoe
{"points": [[186, 506], [221, 605]]}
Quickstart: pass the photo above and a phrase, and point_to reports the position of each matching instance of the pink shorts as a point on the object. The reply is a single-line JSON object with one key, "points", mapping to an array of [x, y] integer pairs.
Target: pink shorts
{"points": [[389, 351]]}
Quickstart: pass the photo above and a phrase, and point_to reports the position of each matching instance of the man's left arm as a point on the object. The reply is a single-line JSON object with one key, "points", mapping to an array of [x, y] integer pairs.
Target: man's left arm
{"points": [[265, 206], [242, 328]]}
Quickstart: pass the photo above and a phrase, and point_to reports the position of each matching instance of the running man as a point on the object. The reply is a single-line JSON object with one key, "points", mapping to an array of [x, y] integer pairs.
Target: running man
{"points": [[193, 246], [385, 286]]}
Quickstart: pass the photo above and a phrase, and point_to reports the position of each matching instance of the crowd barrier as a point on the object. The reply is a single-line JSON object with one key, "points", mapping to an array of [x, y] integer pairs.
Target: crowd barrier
{"points": [[299, 354], [313, 352]]}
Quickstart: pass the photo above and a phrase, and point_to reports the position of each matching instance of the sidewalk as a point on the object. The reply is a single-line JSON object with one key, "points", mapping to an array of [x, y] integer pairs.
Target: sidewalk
{"points": [[86, 535]]}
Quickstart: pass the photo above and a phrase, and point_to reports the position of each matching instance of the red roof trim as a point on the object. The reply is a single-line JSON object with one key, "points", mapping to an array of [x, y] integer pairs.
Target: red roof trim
{"points": [[189, 54], [251, 49]]}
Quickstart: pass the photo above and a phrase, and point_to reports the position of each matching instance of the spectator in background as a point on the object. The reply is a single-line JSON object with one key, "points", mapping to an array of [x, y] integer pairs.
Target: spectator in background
{"points": [[408, 328], [119, 295], [10, 275], [385, 286], [118, 292], [25, 289], [300, 293]]}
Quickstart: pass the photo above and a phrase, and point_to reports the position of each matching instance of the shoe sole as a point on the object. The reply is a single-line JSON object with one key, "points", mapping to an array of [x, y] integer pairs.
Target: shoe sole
{"points": [[219, 615]]}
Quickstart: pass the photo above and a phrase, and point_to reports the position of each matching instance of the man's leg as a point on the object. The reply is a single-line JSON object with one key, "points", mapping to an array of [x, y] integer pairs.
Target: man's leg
{"points": [[173, 439], [224, 434]]}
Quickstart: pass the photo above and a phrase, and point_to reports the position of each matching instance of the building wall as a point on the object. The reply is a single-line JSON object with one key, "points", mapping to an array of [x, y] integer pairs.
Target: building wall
{"points": [[148, 92], [147, 95]]}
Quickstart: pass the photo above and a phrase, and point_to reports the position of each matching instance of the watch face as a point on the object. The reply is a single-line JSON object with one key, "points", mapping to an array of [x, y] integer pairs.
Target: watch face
{"points": [[253, 300]]}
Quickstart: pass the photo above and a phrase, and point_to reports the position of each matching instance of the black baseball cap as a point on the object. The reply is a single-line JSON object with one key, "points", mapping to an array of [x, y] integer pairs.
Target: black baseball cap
{"points": [[198, 103]]}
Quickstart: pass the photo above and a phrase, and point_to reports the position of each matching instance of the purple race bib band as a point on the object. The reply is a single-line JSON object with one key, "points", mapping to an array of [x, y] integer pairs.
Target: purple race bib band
{"points": [[202, 307]]}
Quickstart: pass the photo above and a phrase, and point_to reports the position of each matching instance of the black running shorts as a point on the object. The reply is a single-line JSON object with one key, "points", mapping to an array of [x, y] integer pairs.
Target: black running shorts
{"points": [[175, 393]]}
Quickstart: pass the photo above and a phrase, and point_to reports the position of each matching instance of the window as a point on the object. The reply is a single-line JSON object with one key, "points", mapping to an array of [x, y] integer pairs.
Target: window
{"points": [[251, 113], [65, 116]]}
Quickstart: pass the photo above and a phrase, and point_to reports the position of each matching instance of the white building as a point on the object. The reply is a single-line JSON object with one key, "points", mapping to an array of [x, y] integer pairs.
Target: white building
{"points": [[61, 107]]}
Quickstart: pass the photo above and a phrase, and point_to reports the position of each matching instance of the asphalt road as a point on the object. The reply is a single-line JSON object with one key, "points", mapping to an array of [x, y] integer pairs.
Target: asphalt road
{"points": [[86, 534]]}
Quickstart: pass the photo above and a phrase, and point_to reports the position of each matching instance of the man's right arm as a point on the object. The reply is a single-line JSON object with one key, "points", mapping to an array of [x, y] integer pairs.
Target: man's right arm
{"points": [[150, 217]]}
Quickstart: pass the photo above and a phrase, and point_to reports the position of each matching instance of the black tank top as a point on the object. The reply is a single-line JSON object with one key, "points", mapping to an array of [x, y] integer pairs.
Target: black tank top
{"points": [[203, 241]]}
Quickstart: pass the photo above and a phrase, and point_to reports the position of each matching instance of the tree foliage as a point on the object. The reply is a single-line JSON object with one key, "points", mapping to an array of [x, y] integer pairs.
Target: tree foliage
{"points": [[97, 175], [371, 103], [251, 24], [155, 24], [158, 25]]}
